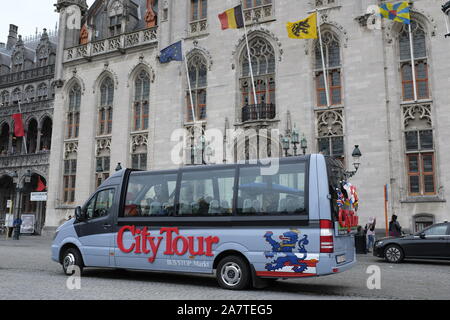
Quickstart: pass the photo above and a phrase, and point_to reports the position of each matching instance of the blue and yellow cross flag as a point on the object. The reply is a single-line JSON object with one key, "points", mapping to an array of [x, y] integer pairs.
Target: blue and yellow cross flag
{"points": [[173, 52], [399, 12], [303, 29]]}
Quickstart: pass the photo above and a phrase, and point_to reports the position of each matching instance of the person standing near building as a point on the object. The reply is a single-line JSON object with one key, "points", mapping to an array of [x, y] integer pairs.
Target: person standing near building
{"points": [[395, 230], [370, 232], [16, 225]]}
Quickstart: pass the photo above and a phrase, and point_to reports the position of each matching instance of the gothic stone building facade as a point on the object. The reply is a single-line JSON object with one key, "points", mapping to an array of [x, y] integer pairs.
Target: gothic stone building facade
{"points": [[26, 77], [116, 103]]}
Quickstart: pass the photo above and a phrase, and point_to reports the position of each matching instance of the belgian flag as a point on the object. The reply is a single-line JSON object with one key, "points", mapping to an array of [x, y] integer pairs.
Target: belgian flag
{"points": [[232, 18]]}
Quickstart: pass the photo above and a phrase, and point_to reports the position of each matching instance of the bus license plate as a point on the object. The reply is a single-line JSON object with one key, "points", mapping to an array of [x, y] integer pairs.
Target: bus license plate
{"points": [[340, 259]]}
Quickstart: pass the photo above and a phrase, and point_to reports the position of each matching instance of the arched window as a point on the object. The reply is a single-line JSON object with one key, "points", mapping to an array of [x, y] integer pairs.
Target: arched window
{"points": [[332, 57], [4, 139], [4, 98], [73, 114], [105, 112], [29, 93], [414, 88], [16, 95], [141, 101], [42, 91], [46, 134], [198, 77], [32, 136], [262, 57]]}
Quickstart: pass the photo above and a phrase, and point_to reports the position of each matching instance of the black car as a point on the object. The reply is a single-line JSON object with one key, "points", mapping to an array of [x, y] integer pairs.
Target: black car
{"points": [[430, 243]]}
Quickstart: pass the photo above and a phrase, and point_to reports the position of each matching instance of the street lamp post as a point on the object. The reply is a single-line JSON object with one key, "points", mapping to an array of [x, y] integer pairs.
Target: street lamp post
{"points": [[286, 144], [304, 144], [295, 140], [356, 154], [446, 10]]}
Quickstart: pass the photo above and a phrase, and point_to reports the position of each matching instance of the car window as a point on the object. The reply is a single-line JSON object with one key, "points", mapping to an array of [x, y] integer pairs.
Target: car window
{"points": [[439, 230]]}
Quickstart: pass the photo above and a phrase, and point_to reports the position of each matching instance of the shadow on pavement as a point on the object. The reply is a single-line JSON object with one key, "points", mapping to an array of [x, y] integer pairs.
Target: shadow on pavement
{"points": [[278, 286]]}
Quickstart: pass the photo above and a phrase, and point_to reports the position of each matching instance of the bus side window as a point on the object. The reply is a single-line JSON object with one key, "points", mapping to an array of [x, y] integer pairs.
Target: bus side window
{"points": [[279, 194], [150, 195], [206, 193]]}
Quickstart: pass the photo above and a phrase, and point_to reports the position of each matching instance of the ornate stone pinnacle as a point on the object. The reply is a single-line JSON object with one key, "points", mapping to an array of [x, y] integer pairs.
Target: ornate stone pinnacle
{"points": [[67, 3]]}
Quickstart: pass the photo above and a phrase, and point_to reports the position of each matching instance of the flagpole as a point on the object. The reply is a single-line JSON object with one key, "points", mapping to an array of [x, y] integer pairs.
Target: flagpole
{"points": [[194, 118], [249, 58], [323, 61], [413, 67], [24, 138]]}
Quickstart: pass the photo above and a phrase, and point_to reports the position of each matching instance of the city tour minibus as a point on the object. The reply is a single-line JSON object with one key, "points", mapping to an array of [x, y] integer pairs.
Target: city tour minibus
{"points": [[229, 220]]}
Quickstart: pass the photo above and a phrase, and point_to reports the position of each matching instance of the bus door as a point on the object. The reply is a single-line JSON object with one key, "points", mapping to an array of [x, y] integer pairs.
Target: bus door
{"points": [[96, 232]]}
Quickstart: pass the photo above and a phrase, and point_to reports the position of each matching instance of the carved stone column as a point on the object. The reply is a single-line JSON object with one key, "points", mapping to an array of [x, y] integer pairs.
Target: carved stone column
{"points": [[38, 140]]}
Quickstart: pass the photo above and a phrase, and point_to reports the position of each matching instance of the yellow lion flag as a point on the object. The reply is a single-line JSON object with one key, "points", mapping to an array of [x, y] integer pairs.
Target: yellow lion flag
{"points": [[303, 29]]}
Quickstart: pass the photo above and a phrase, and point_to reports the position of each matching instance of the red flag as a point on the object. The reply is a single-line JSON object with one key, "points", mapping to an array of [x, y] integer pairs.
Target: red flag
{"points": [[18, 125], [41, 186]]}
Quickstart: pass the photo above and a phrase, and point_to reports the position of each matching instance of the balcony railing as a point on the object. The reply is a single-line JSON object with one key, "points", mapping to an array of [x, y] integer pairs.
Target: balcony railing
{"points": [[29, 107], [262, 111], [24, 160], [114, 44], [11, 78], [260, 13], [198, 27]]}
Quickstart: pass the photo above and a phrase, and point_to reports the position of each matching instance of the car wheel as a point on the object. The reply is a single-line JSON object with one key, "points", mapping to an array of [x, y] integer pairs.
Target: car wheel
{"points": [[71, 259], [393, 254], [233, 273]]}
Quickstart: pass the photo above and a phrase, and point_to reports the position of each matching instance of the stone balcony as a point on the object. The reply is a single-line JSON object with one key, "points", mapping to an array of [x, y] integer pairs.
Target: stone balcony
{"points": [[262, 111], [111, 45], [36, 107], [198, 28], [17, 161], [258, 14], [35, 74]]}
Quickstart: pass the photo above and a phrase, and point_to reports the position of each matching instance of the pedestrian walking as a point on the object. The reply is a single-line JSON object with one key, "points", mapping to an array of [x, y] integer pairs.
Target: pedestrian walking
{"points": [[395, 230], [370, 233], [16, 226]]}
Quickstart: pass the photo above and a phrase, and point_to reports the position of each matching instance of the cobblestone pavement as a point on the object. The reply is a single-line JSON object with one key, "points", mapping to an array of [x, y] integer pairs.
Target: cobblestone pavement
{"points": [[27, 272]]}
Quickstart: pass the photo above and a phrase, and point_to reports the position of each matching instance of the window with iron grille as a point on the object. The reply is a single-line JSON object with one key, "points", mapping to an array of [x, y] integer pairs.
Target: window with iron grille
{"points": [[262, 56]]}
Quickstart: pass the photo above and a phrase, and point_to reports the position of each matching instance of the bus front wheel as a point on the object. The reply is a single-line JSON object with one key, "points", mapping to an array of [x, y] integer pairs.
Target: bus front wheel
{"points": [[233, 273], [71, 261]]}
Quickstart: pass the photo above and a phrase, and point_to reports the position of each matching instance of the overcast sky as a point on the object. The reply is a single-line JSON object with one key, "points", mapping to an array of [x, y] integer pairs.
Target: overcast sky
{"points": [[28, 15]]}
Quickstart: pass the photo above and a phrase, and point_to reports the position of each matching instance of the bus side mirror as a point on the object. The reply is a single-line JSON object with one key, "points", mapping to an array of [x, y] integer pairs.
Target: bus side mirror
{"points": [[79, 214]]}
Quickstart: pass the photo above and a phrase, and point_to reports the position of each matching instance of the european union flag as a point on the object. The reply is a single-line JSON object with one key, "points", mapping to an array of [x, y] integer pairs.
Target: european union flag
{"points": [[173, 52]]}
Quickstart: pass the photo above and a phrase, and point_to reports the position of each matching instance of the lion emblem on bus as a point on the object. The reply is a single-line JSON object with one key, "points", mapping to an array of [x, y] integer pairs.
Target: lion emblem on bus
{"points": [[284, 250]]}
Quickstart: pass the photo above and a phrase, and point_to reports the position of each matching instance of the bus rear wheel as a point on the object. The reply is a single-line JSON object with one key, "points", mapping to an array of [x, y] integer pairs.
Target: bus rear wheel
{"points": [[233, 273]]}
